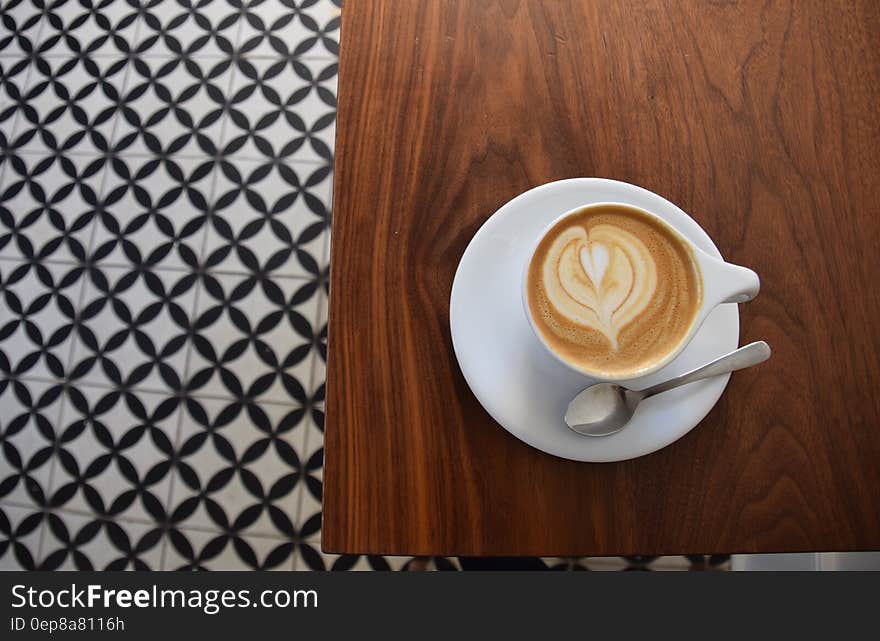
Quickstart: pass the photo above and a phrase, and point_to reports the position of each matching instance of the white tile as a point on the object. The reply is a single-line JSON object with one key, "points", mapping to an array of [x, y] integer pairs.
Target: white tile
{"points": [[48, 205], [310, 490], [37, 314], [134, 328], [20, 530], [199, 550], [313, 447], [73, 104], [305, 28], [78, 542], [115, 451], [29, 415], [14, 73], [254, 337], [273, 210], [204, 28], [283, 108], [308, 556], [155, 213], [174, 106], [329, 240], [76, 26], [22, 24], [239, 467], [320, 374]]}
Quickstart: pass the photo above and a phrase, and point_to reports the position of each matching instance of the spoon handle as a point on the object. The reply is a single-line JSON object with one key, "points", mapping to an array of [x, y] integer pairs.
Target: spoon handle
{"points": [[746, 356]]}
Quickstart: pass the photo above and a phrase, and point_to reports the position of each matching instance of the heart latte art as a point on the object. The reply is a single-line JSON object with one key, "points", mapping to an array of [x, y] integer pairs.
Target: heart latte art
{"points": [[601, 281], [613, 290]]}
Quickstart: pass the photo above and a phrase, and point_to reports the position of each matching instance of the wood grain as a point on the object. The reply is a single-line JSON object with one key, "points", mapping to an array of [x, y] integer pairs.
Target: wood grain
{"points": [[760, 119]]}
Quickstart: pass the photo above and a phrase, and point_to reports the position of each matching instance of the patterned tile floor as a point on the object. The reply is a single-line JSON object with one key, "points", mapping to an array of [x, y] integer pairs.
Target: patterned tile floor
{"points": [[165, 188]]}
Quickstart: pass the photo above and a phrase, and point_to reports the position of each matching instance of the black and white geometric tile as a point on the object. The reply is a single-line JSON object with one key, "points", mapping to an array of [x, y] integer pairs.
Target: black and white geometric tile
{"points": [[165, 198]]}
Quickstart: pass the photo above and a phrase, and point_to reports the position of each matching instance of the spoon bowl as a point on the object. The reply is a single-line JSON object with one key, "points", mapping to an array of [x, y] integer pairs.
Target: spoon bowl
{"points": [[606, 408]]}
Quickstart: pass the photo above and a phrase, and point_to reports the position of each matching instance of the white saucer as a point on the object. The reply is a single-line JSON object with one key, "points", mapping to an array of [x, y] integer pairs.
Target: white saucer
{"points": [[521, 386]]}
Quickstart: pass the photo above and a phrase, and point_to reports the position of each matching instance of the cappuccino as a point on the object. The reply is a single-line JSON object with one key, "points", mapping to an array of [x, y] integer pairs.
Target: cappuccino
{"points": [[613, 290]]}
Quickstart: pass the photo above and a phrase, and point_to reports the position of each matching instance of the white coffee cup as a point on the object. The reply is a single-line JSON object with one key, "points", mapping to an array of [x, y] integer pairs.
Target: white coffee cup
{"points": [[722, 282]]}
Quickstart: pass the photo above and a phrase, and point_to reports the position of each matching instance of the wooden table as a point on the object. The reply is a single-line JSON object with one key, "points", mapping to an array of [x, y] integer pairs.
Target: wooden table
{"points": [[762, 120]]}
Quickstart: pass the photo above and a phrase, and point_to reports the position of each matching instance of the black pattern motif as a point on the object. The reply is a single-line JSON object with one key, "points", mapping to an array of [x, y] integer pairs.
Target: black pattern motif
{"points": [[165, 185]]}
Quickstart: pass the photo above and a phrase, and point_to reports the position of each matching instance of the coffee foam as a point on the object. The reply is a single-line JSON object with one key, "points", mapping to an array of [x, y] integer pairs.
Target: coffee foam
{"points": [[613, 290]]}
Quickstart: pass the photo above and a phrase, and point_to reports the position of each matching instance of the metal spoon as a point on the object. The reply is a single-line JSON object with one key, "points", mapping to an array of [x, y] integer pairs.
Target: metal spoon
{"points": [[606, 408]]}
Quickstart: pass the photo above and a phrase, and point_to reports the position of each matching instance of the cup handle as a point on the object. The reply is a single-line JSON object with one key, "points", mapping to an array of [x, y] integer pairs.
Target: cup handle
{"points": [[748, 284], [735, 283]]}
